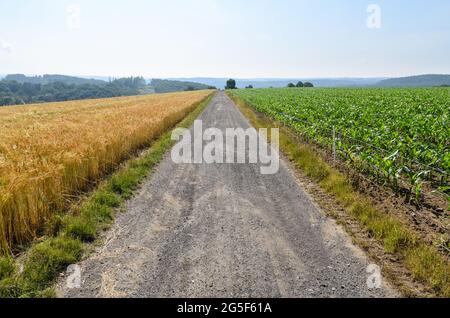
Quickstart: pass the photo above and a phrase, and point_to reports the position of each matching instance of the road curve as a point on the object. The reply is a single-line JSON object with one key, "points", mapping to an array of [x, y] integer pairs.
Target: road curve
{"points": [[224, 230]]}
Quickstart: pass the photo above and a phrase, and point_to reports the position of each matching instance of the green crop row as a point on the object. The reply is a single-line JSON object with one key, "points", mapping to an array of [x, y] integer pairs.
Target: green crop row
{"points": [[393, 134]]}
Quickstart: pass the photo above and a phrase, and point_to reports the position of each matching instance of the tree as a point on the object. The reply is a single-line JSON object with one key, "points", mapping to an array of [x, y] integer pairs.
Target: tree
{"points": [[190, 88], [249, 86], [308, 84], [231, 84], [300, 84], [290, 85]]}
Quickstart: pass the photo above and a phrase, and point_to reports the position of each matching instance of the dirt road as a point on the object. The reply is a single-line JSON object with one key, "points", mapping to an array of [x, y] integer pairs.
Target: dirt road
{"points": [[220, 230]]}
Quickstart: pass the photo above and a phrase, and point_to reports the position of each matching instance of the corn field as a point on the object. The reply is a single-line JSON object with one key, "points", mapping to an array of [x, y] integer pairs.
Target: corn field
{"points": [[394, 135]]}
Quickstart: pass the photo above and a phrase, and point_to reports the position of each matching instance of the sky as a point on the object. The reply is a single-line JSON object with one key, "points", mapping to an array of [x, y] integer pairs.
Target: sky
{"points": [[225, 38]]}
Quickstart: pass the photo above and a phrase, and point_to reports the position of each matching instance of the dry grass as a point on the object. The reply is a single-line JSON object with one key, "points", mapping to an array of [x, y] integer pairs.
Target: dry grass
{"points": [[49, 153]]}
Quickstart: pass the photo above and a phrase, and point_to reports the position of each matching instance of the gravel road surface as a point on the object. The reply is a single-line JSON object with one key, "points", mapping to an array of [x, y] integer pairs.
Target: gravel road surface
{"points": [[224, 230]]}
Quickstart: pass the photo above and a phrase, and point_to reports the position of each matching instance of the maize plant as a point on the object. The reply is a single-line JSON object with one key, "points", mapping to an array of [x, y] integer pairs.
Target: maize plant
{"points": [[398, 134]]}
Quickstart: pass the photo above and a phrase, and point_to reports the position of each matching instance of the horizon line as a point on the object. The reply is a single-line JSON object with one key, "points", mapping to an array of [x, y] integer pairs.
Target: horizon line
{"points": [[225, 77]]}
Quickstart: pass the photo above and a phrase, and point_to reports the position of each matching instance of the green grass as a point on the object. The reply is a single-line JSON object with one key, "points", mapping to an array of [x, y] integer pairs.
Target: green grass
{"points": [[68, 233], [394, 235], [424, 262], [7, 267], [430, 268], [49, 258]]}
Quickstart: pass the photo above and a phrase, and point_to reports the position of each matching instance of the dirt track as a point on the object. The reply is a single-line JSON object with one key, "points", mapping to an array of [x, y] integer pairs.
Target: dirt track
{"points": [[199, 230]]}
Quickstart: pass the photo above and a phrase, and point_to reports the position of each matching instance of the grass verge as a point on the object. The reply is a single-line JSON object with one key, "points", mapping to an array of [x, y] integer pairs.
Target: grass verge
{"points": [[68, 235], [424, 263]]}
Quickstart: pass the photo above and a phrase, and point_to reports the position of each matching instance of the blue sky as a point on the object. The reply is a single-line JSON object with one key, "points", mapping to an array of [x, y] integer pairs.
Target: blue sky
{"points": [[224, 38]]}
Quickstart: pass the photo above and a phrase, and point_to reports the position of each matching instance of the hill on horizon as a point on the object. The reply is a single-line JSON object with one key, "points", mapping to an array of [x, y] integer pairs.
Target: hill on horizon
{"points": [[428, 80], [52, 78], [169, 86], [159, 85]]}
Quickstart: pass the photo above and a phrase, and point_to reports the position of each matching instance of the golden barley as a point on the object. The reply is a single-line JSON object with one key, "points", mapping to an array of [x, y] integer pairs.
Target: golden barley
{"points": [[51, 152]]}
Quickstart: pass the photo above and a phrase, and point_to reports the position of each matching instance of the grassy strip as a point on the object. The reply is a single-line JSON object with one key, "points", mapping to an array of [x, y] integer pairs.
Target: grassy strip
{"points": [[45, 260], [423, 261]]}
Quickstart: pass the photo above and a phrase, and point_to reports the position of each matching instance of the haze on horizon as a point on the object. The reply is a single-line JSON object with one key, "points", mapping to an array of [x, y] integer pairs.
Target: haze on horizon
{"points": [[224, 38]]}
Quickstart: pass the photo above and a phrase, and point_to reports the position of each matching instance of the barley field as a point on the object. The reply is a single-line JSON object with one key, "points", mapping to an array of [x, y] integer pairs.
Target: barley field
{"points": [[50, 153]]}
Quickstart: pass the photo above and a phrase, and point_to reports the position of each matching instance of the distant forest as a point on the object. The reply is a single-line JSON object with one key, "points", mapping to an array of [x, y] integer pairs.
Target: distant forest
{"points": [[47, 79], [13, 92], [169, 86], [19, 89]]}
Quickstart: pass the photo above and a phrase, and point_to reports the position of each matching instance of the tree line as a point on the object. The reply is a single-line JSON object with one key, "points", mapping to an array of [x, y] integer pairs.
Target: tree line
{"points": [[16, 93], [231, 84], [300, 84]]}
